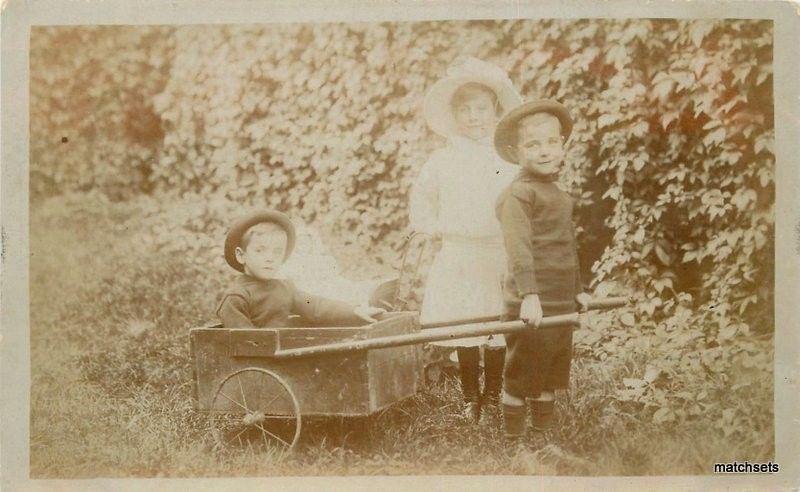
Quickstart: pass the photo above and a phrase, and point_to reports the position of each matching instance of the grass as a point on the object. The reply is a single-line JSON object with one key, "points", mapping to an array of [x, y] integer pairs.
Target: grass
{"points": [[111, 385]]}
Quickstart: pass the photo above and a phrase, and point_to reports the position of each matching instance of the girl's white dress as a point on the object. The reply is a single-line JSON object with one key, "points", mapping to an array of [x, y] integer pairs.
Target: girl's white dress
{"points": [[455, 195]]}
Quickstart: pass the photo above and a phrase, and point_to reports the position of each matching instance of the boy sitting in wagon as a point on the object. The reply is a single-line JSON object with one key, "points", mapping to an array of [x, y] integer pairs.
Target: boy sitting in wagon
{"points": [[257, 246]]}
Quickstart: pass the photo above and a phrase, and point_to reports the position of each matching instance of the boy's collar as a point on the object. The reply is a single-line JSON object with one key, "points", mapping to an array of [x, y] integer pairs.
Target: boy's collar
{"points": [[528, 175], [249, 278]]}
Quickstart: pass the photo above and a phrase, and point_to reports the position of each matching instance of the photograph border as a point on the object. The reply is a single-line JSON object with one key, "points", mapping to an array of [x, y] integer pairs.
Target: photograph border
{"points": [[17, 18]]}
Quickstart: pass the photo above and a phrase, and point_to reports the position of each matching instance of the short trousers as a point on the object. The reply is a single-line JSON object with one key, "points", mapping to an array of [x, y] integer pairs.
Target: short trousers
{"points": [[536, 360]]}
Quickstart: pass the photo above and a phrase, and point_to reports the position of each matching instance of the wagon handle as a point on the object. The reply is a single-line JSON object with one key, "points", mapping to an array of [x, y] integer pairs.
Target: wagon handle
{"points": [[429, 335], [594, 304], [443, 333], [609, 303]]}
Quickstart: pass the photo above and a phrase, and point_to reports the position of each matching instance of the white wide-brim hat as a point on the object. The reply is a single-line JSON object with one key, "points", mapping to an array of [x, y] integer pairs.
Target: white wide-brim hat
{"points": [[463, 71]]}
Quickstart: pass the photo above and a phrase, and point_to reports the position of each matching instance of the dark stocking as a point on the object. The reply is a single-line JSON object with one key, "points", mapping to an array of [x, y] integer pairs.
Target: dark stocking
{"points": [[468, 364], [493, 361]]}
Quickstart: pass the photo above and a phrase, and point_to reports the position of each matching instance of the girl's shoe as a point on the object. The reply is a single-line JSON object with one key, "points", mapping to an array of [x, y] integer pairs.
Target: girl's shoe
{"points": [[542, 414], [469, 372], [491, 414], [472, 412]]}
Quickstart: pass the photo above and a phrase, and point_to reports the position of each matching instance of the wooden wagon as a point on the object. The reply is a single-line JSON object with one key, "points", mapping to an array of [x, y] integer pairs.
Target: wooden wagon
{"points": [[265, 380]]}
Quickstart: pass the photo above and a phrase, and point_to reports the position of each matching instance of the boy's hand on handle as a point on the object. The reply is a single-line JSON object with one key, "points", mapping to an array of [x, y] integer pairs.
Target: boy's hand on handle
{"points": [[367, 313], [583, 299], [531, 310]]}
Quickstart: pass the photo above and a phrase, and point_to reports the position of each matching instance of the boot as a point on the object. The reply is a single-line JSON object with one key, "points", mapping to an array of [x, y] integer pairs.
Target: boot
{"points": [[513, 423], [542, 414], [493, 362], [469, 371]]}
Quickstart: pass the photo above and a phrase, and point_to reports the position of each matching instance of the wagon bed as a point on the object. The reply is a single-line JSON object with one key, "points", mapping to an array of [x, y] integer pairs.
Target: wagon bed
{"points": [[347, 384], [253, 378]]}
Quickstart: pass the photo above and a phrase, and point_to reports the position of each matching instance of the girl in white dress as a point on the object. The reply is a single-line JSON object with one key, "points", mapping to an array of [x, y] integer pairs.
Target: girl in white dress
{"points": [[454, 199]]}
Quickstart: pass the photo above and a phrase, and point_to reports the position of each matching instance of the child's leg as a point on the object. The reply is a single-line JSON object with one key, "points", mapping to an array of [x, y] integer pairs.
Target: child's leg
{"points": [[513, 416], [555, 371], [518, 376], [516, 382], [469, 372], [493, 362], [543, 410], [545, 395]]}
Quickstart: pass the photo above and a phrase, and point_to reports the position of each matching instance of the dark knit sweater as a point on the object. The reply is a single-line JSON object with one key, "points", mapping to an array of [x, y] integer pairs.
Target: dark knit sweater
{"points": [[536, 218], [254, 303]]}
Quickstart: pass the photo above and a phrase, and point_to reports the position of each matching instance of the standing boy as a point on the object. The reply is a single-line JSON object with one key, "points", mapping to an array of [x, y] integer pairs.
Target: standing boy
{"points": [[543, 277]]}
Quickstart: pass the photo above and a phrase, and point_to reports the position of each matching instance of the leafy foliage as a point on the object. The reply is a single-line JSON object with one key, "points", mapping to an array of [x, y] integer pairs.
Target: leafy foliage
{"points": [[681, 371], [671, 156], [92, 119]]}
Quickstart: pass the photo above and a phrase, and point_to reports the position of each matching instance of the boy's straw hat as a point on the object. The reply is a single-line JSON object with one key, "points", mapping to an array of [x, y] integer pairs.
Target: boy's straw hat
{"points": [[463, 71], [240, 227], [505, 135]]}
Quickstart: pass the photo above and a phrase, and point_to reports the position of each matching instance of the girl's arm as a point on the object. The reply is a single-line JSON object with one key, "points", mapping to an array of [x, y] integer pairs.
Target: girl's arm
{"points": [[424, 200]]}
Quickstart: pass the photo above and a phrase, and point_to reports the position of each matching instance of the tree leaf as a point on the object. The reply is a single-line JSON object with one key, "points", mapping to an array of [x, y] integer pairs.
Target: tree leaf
{"points": [[699, 30], [606, 120], [634, 383], [651, 374], [663, 89], [663, 414], [715, 137], [647, 248], [627, 319], [638, 236], [727, 332], [663, 256], [668, 118]]}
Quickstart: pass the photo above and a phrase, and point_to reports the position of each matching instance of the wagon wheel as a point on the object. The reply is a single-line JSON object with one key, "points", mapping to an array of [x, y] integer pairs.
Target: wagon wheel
{"points": [[268, 409]]}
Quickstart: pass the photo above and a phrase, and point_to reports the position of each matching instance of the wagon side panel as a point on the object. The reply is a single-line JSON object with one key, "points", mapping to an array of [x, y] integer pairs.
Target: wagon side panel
{"points": [[210, 363], [393, 372], [335, 384]]}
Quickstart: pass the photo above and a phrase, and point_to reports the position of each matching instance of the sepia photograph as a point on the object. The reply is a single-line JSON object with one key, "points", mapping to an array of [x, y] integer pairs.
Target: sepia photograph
{"points": [[504, 246]]}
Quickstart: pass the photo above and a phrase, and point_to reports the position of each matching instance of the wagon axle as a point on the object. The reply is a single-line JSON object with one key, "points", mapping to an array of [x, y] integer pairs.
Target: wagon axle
{"points": [[253, 418]]}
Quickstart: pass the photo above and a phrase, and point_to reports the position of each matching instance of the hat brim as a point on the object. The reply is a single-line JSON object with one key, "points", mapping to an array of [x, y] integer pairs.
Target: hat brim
{"points": [[505, 135], [437, 101], [240, 227]]}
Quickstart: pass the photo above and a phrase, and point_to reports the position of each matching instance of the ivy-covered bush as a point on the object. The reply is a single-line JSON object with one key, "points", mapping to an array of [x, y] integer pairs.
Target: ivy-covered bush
{"points": [[323, 119], [675, 142], [672, 147], [671, 155], [92, 124], [679, 371]]}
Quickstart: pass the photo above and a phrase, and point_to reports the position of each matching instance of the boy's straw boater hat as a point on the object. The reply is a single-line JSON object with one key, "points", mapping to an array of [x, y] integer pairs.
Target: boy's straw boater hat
{"points": [[505, 135], [464, 71], [240, 227]]}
